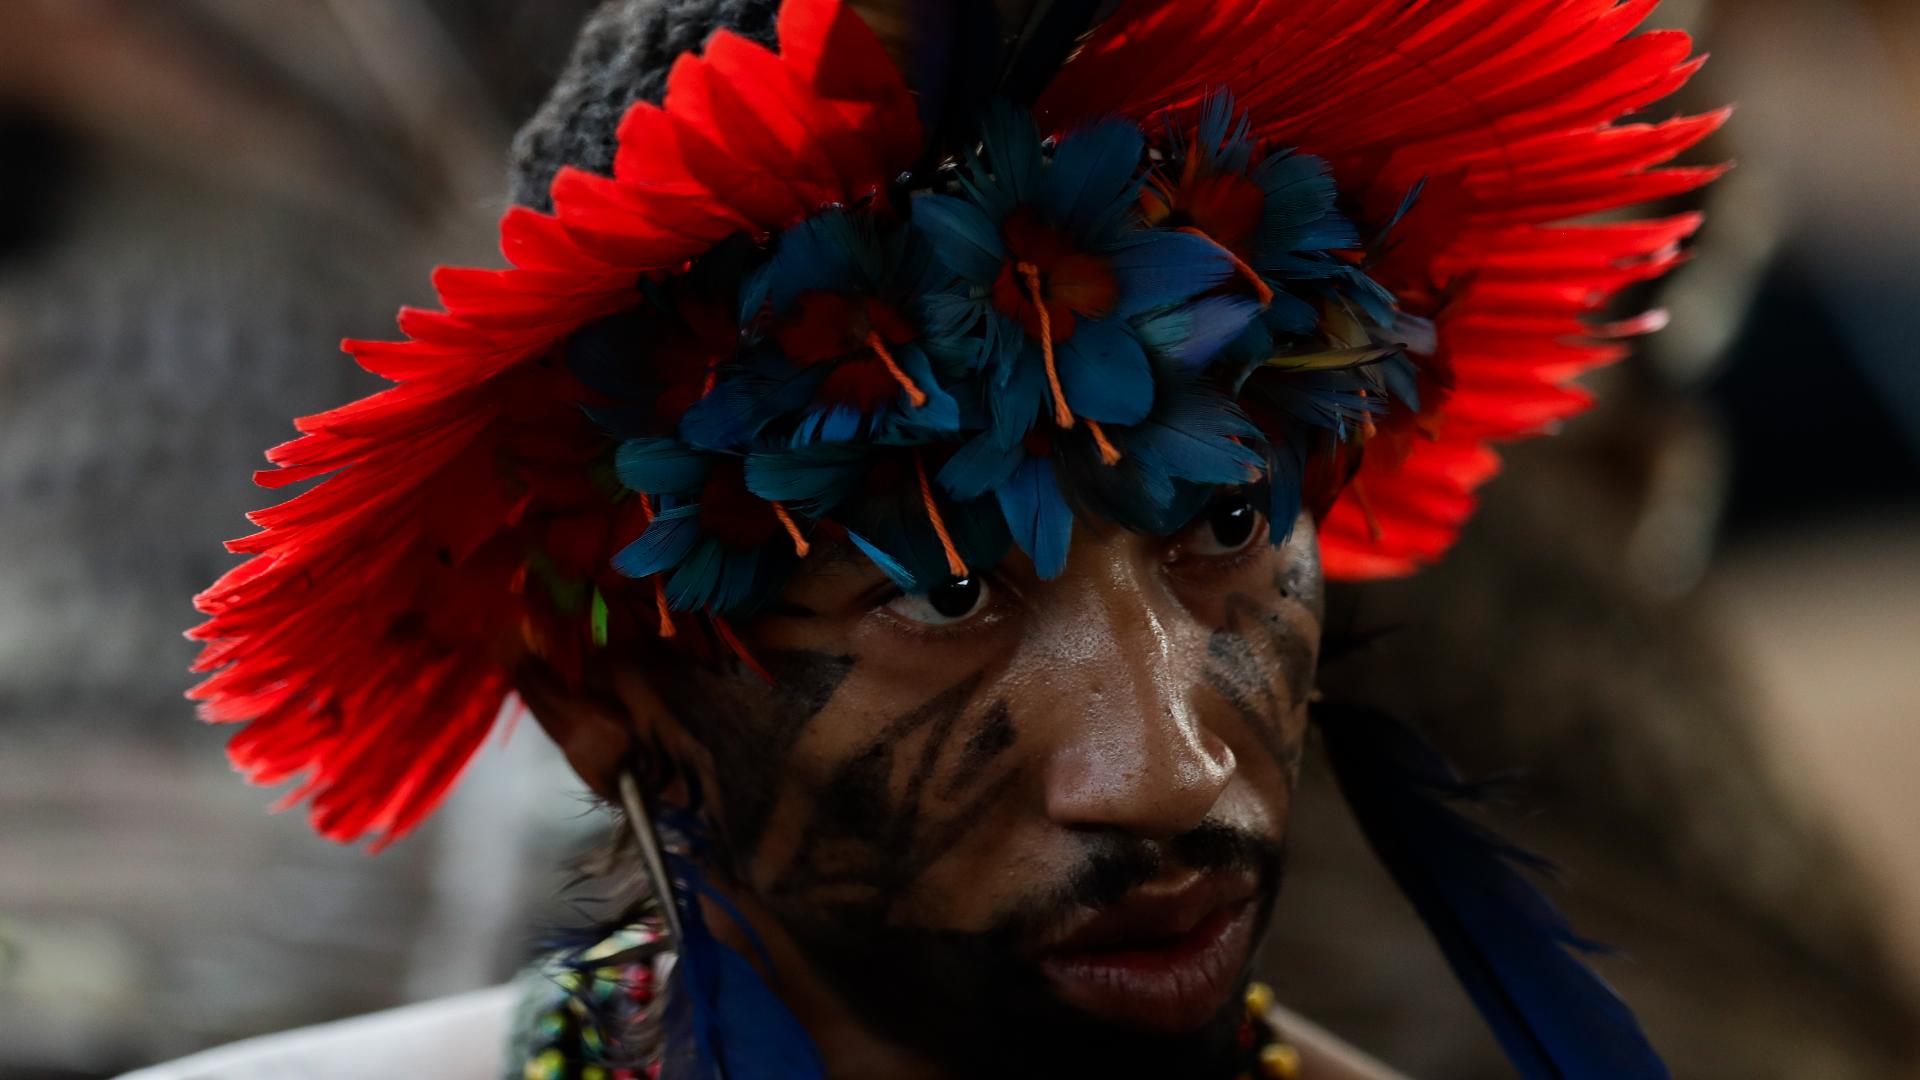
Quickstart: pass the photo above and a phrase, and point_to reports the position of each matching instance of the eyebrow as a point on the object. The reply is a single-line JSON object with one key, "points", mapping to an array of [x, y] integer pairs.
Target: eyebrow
{"points": [[838, 558]]}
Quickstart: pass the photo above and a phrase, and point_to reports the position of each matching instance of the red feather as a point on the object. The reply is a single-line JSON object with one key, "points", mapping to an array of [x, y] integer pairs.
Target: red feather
{"points": [[369, 643], [1508, 110]]}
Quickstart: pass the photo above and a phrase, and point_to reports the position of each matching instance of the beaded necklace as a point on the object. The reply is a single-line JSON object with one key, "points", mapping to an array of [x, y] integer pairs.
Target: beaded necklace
{"points": [[566, 1008]]}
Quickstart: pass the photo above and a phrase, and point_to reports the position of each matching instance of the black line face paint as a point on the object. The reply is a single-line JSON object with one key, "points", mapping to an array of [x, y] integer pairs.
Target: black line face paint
{"points": [[751, 728], [1262, 665], [873, 834]]}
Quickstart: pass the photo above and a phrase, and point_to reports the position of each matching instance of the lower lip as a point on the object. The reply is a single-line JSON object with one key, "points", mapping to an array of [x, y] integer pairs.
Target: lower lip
{"points": [[1173, 986]]}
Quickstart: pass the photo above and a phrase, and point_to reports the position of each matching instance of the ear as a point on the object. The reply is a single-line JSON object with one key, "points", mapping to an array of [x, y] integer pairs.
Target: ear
{"points": [[606, 724], [596, 732]]}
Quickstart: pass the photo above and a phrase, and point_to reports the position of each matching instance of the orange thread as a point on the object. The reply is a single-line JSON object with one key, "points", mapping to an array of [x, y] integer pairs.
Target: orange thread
{"points": [[1261, 290], [1367, 428], [955, 564], [1109, 453], [739, 648], [1366, 511], [800, 545], [879, 347], [1062, 415], [667, 629]]}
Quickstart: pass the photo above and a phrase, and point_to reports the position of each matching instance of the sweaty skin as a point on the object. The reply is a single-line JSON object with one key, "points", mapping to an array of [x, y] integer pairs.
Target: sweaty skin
{"points": [[1041, 838]]}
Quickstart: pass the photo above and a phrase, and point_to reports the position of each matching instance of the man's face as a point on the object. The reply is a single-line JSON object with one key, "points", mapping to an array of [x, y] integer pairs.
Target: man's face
{"points": [[1012, 817]]}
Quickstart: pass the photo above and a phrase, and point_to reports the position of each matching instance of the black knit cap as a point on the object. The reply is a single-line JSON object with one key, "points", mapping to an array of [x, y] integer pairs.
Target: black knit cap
{"points": [[623, 54]]}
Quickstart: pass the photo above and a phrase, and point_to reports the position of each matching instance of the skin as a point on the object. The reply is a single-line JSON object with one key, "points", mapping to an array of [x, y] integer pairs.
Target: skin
{"points": [[910, 810]]}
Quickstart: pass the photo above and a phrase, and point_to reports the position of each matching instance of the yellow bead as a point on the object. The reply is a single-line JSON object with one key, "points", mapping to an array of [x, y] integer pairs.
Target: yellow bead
{"points": [[1278, 1061], [593, 1072], [1259, 999], [548, 1066]]}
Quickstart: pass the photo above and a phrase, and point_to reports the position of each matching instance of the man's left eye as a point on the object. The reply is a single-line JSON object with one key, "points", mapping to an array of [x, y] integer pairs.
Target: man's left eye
{"points": [[943, 605], [1227, 526]]}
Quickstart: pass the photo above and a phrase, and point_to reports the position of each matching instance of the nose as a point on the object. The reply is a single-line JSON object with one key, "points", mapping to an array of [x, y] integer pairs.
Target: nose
{"points": [[1133, 752]]}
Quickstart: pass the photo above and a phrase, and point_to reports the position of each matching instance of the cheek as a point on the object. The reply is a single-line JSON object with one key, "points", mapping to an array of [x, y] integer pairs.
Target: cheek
{"points": [[884, 805]]}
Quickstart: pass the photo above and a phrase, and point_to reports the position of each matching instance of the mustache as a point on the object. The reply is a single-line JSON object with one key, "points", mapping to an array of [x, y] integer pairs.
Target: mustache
{"points": [[1115, 864]]}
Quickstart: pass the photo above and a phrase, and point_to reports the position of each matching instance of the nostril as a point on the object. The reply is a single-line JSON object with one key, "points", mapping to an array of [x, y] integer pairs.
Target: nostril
{"points": [[1218, 752]]}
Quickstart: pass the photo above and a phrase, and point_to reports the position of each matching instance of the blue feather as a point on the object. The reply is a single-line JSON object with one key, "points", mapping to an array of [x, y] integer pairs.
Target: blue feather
{"points": [[951, 315], [1195, 333], [888, 565], [1159, 268], [941, 413], [697, 578], [727, 417], [1037, 516], [1286, 485], [1289, 315], [822, 253], [670, 536], [1105, 374], [836, 424], [813, 479], [1019, 400], [1192, 438], [1224, 142], [1402, 380], [740, 406], [739, 1028], [741, 585], [979, 466], [980, 532], [1511, 950], [963, 236], [660, 466], [1407, 204], [1014, 160], [1094, 178]]}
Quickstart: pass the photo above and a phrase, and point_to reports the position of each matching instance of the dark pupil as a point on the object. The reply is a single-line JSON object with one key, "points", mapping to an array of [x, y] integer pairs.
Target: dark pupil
{"points": [[1232, 520], [956, 597]]}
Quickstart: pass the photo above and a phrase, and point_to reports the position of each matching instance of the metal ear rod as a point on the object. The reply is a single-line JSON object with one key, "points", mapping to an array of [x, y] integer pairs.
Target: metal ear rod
{"points": [[656, 866]]}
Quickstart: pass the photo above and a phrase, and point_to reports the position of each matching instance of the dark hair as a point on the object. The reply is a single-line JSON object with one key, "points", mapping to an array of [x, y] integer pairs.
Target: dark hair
{"points": [[622, 55]]}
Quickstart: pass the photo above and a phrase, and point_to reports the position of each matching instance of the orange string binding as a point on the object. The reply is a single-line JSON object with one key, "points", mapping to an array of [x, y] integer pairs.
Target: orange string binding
{"points": [[879, 346], [1109, 453], [667, 629], [955, 565], [800, 545], [1062, 415]]}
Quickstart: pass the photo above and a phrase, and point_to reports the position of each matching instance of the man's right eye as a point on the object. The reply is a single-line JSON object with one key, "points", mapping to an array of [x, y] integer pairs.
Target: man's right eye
{"points": [[950, 602]]}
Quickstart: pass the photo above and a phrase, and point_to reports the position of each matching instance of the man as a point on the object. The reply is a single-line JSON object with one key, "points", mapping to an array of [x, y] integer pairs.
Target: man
{"points": [[898, 473]]}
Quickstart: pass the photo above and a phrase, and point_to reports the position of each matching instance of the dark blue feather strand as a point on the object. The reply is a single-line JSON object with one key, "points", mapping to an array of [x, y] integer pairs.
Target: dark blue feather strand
{"points": [[1512, 951], [723, 1021]]}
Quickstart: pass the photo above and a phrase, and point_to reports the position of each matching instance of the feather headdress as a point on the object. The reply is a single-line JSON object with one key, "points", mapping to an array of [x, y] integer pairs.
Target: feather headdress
{"points": [[1351, 215], [1331, 251]]}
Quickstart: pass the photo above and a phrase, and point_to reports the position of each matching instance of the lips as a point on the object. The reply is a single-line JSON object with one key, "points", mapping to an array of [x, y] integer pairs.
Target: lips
{"points": [[1164, 959]]}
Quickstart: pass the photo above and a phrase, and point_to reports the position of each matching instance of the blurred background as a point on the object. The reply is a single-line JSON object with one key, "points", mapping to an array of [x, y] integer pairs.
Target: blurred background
{"points": [[1692, 621]]}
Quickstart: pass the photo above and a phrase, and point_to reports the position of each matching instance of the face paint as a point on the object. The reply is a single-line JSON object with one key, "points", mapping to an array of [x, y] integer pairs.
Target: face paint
{"points": [[899, 819], [1244, 657], [871, 842], [750, 728]]}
